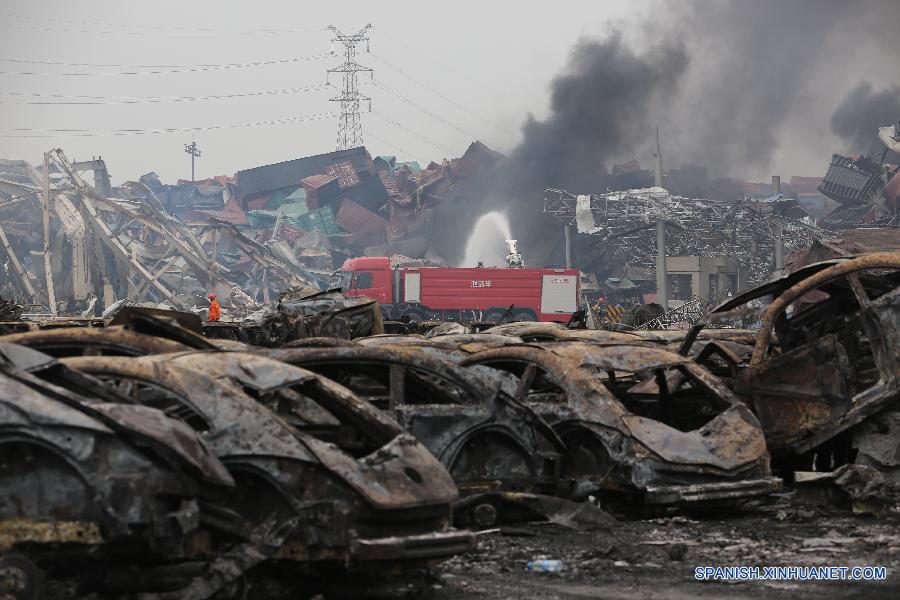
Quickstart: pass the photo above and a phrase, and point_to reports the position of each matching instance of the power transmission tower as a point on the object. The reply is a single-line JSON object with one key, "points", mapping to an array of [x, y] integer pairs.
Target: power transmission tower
{"points": [[350, 127], [195, 152]]}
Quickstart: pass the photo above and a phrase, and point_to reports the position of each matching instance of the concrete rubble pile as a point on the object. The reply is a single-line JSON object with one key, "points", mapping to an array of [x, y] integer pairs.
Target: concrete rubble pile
{"points": [[721, 243], [343, 459]]}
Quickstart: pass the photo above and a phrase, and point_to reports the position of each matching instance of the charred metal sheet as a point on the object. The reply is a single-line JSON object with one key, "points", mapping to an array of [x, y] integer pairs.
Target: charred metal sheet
{"points": [[836, 363], [634, 417], [824, 363], [337, 496], [107, 341], [297, 316], [453, 347], [487, 439]]}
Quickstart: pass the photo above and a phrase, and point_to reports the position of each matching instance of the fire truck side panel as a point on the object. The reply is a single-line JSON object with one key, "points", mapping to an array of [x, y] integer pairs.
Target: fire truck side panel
{"points": [[460, 293], [480, 289]]}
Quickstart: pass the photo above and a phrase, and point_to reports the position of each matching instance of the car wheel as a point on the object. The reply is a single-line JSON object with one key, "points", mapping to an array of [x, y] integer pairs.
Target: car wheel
{"points": [[20, 579]]}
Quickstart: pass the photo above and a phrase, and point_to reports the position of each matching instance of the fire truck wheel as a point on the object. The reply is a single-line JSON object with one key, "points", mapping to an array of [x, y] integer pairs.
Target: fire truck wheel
{"points": [[523, 315]]}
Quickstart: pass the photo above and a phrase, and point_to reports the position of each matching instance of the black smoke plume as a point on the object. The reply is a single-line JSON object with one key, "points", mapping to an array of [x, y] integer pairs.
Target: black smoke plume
{"points": [[600, 108], [861, 113], [733, 86]]}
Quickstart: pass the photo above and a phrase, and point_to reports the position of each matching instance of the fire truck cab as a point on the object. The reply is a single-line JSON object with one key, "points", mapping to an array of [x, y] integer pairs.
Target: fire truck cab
{"points": [[451, 294]]}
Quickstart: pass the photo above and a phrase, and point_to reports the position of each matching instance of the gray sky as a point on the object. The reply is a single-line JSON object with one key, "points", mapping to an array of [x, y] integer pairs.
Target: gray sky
{"points": [[474, 67], [445, 74]]}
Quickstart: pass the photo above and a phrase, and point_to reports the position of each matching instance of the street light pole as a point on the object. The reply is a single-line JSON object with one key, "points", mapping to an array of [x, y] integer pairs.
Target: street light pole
{"points": [[195, 152]]}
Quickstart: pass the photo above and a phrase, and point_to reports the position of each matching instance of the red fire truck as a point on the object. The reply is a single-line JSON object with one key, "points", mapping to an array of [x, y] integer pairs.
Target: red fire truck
{"points": [[480, 293]]}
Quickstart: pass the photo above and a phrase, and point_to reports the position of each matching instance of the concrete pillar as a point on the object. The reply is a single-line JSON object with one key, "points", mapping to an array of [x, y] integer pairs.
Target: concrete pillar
{"points": [[779, 231], [662, 293], [568, 233]]}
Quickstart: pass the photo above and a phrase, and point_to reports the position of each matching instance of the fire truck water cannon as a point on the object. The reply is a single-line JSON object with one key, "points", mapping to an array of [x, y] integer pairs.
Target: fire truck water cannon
{"points": [[514, 259]]}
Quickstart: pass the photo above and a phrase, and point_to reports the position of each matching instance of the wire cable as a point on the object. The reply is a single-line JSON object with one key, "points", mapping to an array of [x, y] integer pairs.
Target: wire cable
{"points": [[56, 99], [399, 96], [26, 132], [119, 28], [437, 93], [412, 132], [164, 70]]}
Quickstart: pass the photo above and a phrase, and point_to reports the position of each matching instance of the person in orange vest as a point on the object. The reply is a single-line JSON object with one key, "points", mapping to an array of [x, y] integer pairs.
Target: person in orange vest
{"points": [[214, 312]]}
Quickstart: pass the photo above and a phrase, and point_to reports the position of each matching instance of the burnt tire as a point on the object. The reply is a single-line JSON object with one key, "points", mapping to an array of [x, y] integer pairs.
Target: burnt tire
{"points": [[20, 579]]}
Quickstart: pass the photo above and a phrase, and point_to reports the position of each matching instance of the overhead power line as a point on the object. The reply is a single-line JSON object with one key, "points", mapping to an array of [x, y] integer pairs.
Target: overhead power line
{"points": [[123, 28], [26, 132], [55, 99], [440, 95], [408, 130], [164, 70], [399, 96]]}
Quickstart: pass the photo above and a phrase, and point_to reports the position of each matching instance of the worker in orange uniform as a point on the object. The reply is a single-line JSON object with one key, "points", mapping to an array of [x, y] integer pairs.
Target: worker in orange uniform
{"points": [[214, 312]]}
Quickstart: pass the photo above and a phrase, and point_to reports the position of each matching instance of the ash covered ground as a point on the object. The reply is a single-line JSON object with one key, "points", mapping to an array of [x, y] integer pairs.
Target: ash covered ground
{"points": [[655, 558]]}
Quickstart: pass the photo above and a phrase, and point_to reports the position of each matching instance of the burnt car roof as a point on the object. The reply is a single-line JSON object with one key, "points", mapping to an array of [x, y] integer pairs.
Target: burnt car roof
{"points": [[65, 341], [637, 356], [520, 328], [460, 376], [230, 413]]}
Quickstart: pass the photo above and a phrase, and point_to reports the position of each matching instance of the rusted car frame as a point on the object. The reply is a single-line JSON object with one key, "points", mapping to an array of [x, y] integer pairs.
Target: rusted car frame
{"points": [[837, 364], [81, 479], [487, 440], [822, 374], [641, 424], [106, 341], [389, 504]]}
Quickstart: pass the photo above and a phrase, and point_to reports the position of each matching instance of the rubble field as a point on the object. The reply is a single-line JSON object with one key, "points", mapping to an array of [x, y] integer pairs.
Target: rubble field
{"points": [[655, 558]]}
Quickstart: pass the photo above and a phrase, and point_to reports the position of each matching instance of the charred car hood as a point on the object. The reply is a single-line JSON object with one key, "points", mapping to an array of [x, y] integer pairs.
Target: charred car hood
{"points": [[731, 440], [401, 474]]}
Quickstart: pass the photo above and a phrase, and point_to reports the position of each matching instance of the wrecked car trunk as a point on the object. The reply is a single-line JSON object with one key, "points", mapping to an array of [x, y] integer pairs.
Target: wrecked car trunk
{"points": [[640, 423]]}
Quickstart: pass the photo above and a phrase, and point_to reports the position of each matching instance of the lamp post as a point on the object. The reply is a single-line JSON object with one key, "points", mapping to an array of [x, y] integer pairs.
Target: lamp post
{"points": [[195, 152]]}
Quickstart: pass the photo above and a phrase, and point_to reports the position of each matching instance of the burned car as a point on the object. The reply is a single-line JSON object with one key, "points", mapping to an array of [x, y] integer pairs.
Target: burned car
{"points": [[487, 440], [642, 425], [97, 496], [377, 499], [823, 374], [299, 315]]}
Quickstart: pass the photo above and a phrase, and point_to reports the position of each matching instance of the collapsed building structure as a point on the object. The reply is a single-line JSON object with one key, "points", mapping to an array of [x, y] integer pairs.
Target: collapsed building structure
{"points": [[711, 247], [649, 244], [69, 247]]}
